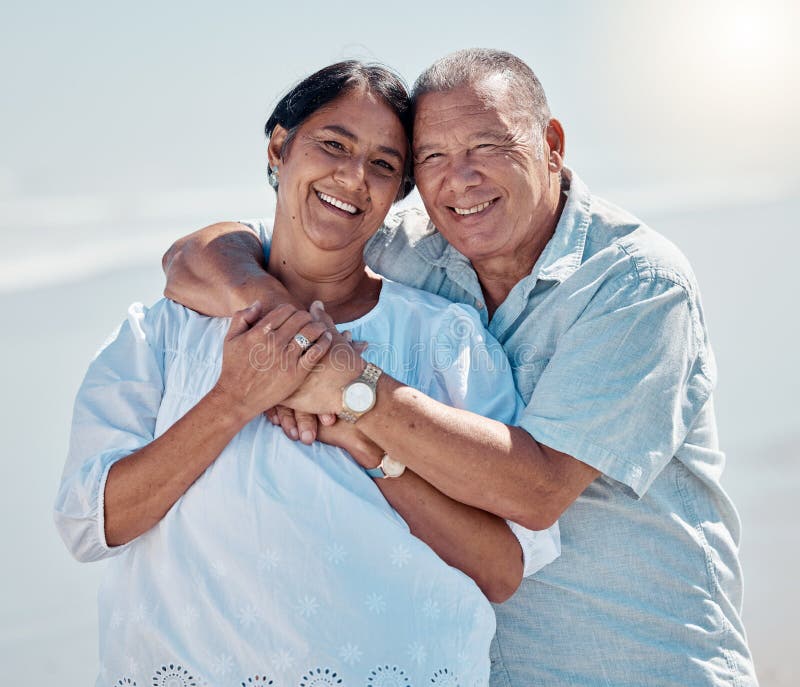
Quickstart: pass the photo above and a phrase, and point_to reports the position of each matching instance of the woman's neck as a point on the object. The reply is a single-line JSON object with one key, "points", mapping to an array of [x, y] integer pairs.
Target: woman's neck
{"points": [[338, 278]]}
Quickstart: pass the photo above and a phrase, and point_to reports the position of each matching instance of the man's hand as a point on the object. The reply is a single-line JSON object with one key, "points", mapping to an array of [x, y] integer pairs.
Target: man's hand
{"points": [[262, 363]]}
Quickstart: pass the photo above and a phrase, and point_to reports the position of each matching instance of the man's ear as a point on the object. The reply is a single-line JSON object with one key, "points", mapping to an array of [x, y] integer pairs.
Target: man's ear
{"points": [[276, 143], [554, 137]]}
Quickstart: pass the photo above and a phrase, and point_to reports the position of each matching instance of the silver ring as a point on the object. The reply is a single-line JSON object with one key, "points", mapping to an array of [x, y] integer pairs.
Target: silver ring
{"points": [[303, 342]]}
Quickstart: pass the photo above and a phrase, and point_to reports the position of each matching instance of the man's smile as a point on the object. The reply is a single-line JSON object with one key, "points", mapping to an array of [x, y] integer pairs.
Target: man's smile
{"points": [[473, 210]]}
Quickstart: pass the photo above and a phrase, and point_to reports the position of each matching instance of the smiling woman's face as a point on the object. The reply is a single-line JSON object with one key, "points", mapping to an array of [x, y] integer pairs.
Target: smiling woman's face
{"points": [[340, 172]]}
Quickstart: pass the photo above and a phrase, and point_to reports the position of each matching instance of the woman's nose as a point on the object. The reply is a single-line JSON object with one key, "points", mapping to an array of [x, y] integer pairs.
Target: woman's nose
{"points": [[352, 173]]}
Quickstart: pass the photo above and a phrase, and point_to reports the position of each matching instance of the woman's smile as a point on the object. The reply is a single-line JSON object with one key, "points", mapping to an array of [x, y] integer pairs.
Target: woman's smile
{"points": [[335, 204]]}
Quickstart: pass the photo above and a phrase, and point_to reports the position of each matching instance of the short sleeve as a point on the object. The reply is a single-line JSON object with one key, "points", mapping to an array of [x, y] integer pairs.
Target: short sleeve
{"points": [[627, 380], [470, 370], [115, 414], [262, 228]]}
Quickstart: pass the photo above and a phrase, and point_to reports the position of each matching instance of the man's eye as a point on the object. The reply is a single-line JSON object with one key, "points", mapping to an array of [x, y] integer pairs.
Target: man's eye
{"points": [[334, 144], [430, 157]]}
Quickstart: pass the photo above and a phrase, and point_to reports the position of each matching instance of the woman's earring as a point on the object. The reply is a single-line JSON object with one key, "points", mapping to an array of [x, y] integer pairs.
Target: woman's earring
{"points": [[272, 176]]}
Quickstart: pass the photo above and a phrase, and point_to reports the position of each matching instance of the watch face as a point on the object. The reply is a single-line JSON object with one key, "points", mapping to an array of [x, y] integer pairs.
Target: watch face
{"points": [[392, 468], [359, 397]]}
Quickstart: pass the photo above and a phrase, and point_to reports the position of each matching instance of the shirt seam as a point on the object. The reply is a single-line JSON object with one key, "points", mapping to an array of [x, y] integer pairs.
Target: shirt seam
{"points": [[659, 275], [634, 470]]}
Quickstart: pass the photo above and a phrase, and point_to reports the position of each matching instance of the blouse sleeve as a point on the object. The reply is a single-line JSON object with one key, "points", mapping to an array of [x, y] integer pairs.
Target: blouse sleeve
{"points": [[470, 370], [115, 414]]}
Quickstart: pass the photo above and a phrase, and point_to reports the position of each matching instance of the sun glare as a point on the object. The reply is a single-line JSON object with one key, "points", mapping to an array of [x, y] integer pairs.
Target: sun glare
{"points": [[744, 39]]}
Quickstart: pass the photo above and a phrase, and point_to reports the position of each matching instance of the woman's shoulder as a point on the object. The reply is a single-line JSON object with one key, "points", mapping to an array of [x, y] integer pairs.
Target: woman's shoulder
{"points": [[168, 325], [397, 294], [438, 312]]}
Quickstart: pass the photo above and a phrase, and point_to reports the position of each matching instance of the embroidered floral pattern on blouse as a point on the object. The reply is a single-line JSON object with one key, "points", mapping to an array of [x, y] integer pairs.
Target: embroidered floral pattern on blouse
{"points": [[445, 678], [320, 677], [375, 603], [350, 653], [400, 556], [125, 682], [172, 675], [388, 676], [417, 652], [257, 681]]}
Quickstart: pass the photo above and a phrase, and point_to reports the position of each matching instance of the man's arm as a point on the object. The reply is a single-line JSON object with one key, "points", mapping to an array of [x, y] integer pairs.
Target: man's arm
{"points": [[219, 270], [473, 459]]}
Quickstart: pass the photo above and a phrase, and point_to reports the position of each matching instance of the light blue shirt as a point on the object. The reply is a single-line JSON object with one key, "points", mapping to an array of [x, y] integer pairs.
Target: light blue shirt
{"points": [[611, 355], [282, 562]]}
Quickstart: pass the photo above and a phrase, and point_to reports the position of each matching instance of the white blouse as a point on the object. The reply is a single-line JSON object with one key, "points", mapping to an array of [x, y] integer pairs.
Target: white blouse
{"points": [[282, 564]]}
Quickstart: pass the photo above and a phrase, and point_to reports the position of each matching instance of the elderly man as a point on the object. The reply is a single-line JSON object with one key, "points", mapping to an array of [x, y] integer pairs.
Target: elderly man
{"points": [[601, 319]]}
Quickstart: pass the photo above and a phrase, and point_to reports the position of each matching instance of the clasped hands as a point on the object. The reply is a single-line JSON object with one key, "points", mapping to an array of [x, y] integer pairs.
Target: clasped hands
{"points": [[266, 370]]}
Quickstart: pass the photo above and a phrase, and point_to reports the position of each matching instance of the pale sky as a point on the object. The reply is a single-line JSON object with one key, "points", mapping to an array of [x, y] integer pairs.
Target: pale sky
{"points": [[99, 97]]}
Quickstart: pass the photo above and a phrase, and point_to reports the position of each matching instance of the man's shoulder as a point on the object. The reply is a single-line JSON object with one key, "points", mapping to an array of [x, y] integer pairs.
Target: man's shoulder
{"points": [[636, 248], [409, 225], [409, 249]]}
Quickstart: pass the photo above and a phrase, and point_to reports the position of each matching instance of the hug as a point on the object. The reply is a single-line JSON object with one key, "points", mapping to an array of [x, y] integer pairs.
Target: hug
{"points": [[282, 504]]}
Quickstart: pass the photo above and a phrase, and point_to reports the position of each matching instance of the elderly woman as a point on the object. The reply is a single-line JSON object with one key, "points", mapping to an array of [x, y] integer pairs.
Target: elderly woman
{"points": [[238, 556]]}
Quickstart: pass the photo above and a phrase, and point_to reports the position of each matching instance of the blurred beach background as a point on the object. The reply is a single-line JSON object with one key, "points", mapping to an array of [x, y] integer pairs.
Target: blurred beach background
{"points": [[124, 126]]}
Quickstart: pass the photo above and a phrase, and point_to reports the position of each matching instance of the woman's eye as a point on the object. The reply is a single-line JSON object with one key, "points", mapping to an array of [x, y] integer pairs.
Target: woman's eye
{"points": [[334, 144], [385, 165], [430, 157]]}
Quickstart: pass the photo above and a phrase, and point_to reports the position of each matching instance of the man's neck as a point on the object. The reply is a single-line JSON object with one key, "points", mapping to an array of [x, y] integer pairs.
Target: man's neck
{"points": [[499, 275]]}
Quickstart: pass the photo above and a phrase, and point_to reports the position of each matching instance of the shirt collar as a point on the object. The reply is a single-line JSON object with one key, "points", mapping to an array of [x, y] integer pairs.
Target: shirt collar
{"points": [[563, 254]]}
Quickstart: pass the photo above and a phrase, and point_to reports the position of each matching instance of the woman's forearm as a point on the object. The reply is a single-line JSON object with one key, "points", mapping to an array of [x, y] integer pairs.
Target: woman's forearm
{"points": [[478, 543], [219, 270], [143, 486]]}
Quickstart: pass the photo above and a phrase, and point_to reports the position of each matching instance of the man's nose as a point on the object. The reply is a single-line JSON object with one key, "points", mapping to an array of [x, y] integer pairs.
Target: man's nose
{"points": [[461, 174]]}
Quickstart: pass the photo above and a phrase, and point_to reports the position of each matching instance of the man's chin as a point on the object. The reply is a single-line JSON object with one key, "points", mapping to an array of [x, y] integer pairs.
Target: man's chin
{"points": [[474, 244]]}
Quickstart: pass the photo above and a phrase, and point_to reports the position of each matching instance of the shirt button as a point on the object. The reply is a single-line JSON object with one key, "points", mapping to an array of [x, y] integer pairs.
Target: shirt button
{"points": [[479, 305]]}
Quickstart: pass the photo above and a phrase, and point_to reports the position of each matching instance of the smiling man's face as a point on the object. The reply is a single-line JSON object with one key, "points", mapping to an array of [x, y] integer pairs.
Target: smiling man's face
{"points": [[484, 171]]}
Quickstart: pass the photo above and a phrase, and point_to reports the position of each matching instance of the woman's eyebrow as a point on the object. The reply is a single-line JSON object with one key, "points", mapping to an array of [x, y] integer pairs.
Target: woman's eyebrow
{"points": [[342, 131]]}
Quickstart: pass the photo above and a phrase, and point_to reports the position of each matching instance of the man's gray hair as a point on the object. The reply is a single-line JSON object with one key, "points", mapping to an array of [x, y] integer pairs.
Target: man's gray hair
{"points": [[473, 65]]}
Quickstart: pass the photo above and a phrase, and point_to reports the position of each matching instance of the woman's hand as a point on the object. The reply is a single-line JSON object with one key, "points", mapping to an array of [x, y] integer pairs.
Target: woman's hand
{"points": [[303, 426], [262, 363], [347, 436]]}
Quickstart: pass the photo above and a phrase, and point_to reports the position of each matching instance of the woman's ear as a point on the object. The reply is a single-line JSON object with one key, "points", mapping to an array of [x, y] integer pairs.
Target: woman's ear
{"points": [[276, 143]]}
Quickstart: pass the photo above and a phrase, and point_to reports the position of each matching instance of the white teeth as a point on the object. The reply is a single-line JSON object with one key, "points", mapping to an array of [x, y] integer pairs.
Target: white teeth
{"points": [[473, 209], [352, 209]]}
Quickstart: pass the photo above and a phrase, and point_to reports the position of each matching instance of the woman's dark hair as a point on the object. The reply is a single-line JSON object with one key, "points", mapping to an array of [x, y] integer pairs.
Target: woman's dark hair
{"points": [[323, 87]]}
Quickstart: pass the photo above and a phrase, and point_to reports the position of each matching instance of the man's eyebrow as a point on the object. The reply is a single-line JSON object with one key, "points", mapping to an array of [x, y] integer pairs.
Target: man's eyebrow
{"points": [[342, 131], [419, 150], [486, 134], [491, 134]]}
